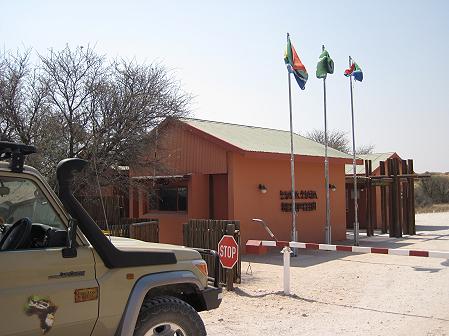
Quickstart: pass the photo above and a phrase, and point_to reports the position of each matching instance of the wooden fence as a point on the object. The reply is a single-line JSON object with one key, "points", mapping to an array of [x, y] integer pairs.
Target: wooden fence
{"points": [[206, 233], [141, 229], [146, 231], [114, 207]]}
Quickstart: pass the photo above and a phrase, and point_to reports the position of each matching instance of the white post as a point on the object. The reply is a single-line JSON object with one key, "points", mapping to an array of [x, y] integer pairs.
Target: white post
{"points": [[286, 251]]}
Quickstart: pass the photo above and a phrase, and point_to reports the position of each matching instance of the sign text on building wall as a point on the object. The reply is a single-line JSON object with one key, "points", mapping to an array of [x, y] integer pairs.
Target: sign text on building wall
{"points": [[300, 194]]}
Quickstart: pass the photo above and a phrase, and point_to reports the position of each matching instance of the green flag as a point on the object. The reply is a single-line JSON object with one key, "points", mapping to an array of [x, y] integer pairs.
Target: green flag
{"points": [[325, 65]]}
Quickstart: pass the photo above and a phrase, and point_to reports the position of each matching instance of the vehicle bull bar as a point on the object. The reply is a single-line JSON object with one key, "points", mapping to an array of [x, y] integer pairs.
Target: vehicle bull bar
{"points": [[208, 252]]}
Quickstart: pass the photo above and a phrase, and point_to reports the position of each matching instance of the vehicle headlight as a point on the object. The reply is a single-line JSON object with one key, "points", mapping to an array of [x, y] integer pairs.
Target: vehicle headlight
{"points": [[202, 266]]}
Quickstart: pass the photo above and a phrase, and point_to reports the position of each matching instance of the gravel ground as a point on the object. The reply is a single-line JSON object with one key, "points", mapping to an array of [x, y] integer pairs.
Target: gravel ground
{"points": [[337, 293]]}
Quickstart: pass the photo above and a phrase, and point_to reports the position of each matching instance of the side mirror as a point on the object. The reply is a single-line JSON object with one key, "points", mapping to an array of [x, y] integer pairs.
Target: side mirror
{"points": [[70, 250]]}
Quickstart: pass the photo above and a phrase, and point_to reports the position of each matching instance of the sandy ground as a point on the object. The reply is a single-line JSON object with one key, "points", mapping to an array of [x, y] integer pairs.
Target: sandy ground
{"points": [[337, 293]]}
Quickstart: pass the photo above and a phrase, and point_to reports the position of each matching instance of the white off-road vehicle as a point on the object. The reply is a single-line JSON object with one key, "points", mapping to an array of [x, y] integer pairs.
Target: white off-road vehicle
{"points": [[60, 275]]}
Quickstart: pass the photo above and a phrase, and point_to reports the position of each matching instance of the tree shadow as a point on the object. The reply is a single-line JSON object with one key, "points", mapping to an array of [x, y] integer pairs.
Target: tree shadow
{"points": [[427, 269], [431, 228], [416, 268], [384, 240]]}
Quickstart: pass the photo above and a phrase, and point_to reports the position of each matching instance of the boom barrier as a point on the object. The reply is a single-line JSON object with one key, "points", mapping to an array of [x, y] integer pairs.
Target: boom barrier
{"points": [[255, 246]]}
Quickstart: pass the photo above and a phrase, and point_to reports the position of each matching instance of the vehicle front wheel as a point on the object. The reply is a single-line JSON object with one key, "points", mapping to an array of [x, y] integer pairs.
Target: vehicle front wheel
{"points": [[167, 315]]}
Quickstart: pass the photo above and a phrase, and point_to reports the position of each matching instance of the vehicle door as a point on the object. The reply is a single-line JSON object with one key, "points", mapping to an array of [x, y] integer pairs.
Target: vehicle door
{"points": [[42, 292]]}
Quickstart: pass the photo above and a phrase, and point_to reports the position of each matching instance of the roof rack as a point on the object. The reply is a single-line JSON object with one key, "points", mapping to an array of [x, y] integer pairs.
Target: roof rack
{"points": [[15, 152]]}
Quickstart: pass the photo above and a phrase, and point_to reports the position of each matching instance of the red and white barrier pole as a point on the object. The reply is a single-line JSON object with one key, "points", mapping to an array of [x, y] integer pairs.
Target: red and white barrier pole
{"points": [[356, 249]]}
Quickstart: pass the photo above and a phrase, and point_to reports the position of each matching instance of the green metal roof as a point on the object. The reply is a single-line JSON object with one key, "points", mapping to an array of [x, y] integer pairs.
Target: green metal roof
{"points": [[258, 139], [375, 158]]}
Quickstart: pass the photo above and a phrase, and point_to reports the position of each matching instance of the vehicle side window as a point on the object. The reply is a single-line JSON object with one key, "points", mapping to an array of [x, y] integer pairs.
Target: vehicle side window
{"points": [[21, 198]]}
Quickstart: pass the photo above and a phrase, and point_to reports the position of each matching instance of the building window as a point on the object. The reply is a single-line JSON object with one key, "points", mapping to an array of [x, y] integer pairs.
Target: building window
{"points": [[168, 199]]}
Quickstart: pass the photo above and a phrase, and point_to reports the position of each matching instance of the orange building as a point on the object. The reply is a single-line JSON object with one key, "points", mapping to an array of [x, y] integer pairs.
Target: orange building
{"points": [[215, 170]]}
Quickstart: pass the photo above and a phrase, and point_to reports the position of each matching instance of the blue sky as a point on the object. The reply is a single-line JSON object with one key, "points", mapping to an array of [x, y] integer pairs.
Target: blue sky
{"points": [[229, 54]]}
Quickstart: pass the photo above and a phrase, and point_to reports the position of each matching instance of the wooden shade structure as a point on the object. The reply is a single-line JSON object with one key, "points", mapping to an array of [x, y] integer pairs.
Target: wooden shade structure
{"points": [[397, 196]]}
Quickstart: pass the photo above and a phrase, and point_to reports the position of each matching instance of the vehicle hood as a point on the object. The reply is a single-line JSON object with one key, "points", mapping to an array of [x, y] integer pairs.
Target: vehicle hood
{"points": [[128, 244]]}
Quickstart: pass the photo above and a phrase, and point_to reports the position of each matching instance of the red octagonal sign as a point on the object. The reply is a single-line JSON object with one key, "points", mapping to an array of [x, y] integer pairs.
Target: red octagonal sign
{"points": [[228, 250]]}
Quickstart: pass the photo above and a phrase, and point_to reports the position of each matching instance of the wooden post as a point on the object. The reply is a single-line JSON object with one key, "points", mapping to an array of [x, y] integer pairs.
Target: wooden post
{"points": [[369, 223], [405, 203], [230, 229], [366, 187], [411, 186], [372, 190], [383, 200], [397, 199], [391, 205]]}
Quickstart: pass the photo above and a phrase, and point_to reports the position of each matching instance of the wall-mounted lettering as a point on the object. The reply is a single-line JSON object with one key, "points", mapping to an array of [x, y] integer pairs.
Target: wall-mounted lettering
{"points": [[299, 194], [304, 206]]}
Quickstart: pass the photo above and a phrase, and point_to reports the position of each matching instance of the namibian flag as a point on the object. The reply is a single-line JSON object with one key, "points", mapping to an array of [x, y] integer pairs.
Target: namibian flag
{"points": [[354, 71], [294, 65]]}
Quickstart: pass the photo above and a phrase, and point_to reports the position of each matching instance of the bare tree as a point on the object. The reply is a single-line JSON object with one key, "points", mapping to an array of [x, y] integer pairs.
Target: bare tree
{"points": [[335, 139], [74, 102], [365, 149], [135, 99], [338, 140], [131, 101], [23, 91], [73, 77]]}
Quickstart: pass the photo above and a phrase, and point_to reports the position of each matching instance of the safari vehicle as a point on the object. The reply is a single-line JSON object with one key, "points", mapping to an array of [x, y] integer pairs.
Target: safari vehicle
{"points": [[60, 275]]}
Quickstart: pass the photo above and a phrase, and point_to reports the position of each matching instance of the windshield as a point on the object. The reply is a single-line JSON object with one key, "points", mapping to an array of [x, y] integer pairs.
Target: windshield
{"points": [[21, 198]]}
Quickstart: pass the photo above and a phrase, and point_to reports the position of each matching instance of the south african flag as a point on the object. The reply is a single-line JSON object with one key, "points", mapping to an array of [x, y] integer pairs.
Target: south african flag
{"points": [[354, 71], [294, 65]]}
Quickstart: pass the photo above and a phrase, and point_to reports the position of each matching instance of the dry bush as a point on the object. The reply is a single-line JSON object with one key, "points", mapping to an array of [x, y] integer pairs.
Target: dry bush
{"points": [[432, 191]]}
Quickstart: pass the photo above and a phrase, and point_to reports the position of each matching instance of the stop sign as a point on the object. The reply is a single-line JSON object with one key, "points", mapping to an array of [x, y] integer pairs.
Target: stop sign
{"points": [[228, 250]]}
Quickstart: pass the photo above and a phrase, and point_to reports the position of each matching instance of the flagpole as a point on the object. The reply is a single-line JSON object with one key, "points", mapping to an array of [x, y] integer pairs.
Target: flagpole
{"points": [[292, 162], [354, 168], [327, 227]]}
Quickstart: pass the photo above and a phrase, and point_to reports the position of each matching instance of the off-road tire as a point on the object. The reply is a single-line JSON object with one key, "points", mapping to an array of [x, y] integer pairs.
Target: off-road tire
{"points": [[168, 309]]}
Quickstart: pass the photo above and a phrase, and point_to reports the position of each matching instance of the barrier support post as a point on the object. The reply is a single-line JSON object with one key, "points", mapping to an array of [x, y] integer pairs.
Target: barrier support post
{"points": [[287, 253]]}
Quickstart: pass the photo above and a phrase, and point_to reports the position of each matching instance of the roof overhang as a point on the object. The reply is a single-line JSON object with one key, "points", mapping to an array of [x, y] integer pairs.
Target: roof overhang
{"points": [[378, 180], [301, 157]]}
